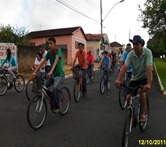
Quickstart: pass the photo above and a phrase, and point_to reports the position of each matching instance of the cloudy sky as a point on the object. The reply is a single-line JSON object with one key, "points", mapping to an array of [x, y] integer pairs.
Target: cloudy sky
{"points": [[50, 14]]}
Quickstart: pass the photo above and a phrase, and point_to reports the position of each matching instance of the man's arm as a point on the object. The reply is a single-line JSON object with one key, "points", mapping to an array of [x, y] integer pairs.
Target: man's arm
{"points": [[149, 78], [121, 74], [74, 61], [53, 66]]}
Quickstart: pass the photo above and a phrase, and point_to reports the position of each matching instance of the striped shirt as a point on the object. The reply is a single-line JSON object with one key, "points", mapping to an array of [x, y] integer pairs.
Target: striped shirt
{"points": [[58, 71]]}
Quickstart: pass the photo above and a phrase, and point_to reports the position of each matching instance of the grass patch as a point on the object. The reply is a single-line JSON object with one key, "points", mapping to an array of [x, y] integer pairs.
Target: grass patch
{"points": [[161, 69]]}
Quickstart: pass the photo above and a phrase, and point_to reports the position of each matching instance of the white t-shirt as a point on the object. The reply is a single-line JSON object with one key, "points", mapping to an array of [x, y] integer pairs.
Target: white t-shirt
{"points": [[38, 63], [48, 62]]}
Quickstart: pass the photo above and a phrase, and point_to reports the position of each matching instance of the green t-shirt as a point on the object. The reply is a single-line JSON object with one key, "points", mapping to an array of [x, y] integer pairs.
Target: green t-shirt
{"points": [[139, 65], [58, 71]]}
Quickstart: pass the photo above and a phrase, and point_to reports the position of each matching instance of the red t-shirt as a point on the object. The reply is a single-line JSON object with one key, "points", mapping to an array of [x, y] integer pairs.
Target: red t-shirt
{"points": [[89, 58], [81, 58]]}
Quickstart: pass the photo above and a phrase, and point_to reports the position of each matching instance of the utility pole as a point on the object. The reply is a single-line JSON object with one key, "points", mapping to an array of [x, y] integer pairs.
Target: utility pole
{"points": [[101, 25], [101, 20]]}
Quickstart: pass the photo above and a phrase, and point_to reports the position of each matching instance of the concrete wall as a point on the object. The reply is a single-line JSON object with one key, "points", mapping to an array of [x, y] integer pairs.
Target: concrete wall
{"points": [[26, 56]]}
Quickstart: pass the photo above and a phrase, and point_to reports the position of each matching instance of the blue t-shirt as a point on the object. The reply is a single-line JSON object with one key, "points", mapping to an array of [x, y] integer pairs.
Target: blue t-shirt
{"points": [[12, 61], [106, 61], [124, 58]]}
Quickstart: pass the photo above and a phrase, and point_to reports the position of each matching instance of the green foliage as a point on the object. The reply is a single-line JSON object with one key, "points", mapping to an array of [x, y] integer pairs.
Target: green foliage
{"points": [[160, 65], [9, 34], [154, 18]]}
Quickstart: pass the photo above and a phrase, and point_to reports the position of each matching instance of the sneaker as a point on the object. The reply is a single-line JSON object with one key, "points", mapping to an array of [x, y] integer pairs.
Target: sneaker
{"points": [[55, 110]]}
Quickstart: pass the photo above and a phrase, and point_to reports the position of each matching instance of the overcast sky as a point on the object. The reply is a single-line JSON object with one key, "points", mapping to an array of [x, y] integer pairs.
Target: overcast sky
{"points": [[50, 14]]}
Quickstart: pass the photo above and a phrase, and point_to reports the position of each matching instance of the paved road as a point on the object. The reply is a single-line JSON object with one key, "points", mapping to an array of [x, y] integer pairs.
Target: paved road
{"points": [[96, 121]]}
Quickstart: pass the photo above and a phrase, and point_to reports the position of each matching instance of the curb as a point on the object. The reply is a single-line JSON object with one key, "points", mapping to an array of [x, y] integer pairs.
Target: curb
{"points": [[159, 80]]}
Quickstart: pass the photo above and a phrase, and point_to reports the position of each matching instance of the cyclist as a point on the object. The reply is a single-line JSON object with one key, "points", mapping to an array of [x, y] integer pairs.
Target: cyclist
{"points": [[44, 52], [113, 60], [141, 60], [82, 63], [105, 62], [90, 58], [55, 56], [12, 65], [129, 69], [37, 62]]}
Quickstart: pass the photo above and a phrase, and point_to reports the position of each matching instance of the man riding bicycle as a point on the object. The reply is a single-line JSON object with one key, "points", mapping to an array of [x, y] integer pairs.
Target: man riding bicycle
{"points": [[105, 63], [124, 56], [141, 60], [82, 63], [55, 56], [90, 58]]}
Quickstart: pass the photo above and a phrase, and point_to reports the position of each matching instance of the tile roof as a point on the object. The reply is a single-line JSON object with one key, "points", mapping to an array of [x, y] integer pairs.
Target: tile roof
{"points": [[55, 32], [115, 44], [93, 37]]}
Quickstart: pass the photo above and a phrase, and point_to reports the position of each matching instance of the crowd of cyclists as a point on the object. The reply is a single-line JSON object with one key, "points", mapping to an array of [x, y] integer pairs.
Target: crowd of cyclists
{"points": [[50, 63]]}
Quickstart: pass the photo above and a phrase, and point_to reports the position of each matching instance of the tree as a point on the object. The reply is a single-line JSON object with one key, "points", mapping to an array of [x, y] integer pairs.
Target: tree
{"points": [[154, 18], [9, 34]]}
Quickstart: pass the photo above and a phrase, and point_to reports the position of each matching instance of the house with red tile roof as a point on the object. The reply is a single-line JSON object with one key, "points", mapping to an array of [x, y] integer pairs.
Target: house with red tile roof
{"points": [[94, 43], [116, 47], [66, 38]]}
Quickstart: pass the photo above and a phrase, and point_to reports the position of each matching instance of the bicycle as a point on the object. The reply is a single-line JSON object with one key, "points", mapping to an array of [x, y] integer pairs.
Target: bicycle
{"points": [[78, 88], [104, 80], [37, 108], [123, 90], [32, 86], [6, 84], [133, 116], [90, 76]]}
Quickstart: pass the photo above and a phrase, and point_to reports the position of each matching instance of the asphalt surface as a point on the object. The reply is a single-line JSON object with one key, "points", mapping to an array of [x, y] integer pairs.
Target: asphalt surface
{"points": [[95, 121]]}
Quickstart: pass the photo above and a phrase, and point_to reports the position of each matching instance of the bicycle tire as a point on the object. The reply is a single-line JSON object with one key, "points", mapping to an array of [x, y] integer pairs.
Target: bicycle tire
{"points": [[3, 86], [19, 84], [122, 97], [102, 85], [35, 107], [127, 128], [77, 91], [108, 84], [65, 100], [92, 78], [30, 93], [143, 126]]}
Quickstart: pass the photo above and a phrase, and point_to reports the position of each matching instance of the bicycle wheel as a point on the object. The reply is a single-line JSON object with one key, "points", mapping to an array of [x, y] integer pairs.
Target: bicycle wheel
{"points": [[87, 79], [122, 97], [127, 128], [102, 85], [3, 86], [92, 78], [143, 126], [37, 112], [19, 83], [29, 90], [108, 84], [64, 99], [77, 90]]}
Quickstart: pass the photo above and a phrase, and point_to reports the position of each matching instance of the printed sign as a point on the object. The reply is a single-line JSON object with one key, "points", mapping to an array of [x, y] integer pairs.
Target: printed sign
{"points": [[3, 47]]}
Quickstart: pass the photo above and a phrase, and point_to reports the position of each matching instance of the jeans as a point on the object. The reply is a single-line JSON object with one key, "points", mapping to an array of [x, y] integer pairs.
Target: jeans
{"points": [[10, 70], [84, 74], [55, 83]]}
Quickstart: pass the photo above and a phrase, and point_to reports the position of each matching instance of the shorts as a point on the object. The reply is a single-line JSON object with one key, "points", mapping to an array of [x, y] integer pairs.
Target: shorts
{"points": [[90, 67], [133, 84]]}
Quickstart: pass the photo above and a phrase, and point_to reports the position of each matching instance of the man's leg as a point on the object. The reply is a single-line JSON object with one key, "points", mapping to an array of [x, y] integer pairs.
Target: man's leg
{"points": [[143, 105], [57, 81], [84, 79]]}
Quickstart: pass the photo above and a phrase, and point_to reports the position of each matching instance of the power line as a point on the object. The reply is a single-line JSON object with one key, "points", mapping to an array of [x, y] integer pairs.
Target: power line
{"points": [[74, 9]]}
